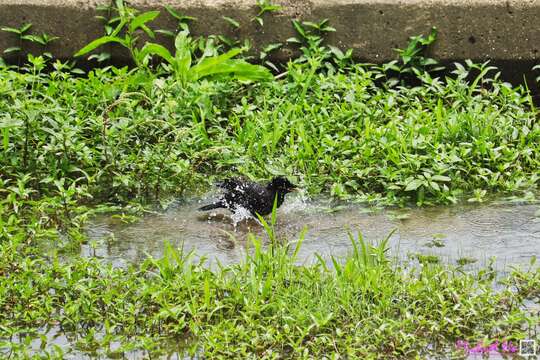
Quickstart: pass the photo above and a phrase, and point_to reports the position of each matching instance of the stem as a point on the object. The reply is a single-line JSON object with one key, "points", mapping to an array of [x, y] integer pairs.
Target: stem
{"points": [[25, 152]]}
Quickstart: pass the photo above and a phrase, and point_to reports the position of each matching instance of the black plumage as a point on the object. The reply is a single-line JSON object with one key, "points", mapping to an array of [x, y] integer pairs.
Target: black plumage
{"points": [[256, 198]]}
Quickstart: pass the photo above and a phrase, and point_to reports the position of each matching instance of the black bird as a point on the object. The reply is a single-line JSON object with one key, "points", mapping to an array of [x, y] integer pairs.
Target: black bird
{"points": [[256, 198]]}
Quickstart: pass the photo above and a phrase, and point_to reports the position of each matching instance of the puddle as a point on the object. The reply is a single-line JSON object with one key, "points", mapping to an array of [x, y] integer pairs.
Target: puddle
{"points": [[70, 346], [467, 233]]}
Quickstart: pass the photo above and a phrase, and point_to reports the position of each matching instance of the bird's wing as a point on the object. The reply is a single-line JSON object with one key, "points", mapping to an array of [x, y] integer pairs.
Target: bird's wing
{"points": [[241, 192], [231, 184], [235, 191], [254, 197]]}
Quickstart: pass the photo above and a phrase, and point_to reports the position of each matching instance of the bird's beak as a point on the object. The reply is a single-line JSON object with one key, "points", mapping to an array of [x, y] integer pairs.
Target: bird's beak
{"points": [[293, 189]]}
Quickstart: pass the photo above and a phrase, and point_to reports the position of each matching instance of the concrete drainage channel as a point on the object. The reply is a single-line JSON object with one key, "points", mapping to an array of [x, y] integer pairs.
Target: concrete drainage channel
{"points": [[502, 31]]}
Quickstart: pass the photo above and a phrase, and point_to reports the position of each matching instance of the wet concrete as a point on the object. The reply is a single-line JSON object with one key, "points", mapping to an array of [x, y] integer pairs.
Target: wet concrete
{"points": [[468, 233], [503, 32], [499, 30]]}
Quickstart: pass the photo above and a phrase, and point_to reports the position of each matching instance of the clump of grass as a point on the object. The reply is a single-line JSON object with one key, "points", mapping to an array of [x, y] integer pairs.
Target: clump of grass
{"points": [[265, 307]]}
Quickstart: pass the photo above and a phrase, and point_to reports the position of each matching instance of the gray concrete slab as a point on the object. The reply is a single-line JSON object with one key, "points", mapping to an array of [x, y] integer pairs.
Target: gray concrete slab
{"points": [[501, 30]]}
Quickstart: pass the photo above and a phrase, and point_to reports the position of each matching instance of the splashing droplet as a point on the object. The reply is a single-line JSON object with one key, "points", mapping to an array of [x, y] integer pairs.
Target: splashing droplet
{"points": [[239, 214]]}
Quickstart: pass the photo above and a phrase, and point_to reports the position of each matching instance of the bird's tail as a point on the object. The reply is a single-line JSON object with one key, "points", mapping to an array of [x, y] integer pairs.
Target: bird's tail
{"points": [[216, 205]]}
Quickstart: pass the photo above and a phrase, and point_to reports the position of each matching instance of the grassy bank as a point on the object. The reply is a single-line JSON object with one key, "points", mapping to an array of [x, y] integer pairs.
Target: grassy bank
{"points": [[120, 135], [267, 307]]}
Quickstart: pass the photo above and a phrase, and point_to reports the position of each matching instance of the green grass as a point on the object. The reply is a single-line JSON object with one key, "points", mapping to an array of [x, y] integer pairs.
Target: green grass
{"points": [[120, 135], [363, 306], [124, 139]]}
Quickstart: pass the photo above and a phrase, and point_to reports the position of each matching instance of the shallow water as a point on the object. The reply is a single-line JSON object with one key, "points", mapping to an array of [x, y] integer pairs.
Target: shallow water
{"points": [[508, 231]]}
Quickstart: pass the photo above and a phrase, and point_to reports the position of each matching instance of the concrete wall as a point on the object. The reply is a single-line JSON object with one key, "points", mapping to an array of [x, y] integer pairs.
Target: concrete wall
{"points": [[505, 31]]}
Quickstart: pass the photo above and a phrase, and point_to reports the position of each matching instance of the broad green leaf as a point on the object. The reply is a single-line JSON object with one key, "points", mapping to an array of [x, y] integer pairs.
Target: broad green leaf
{"points": [[98, 42], [148, 31], [12, 49], [119, 27], [9, 122], [272, 47], [183, 54], [166, 32], [440, 178], [25, 27], [100, 57], [156, 49], [231, 21], [310, 24], [299, 28], [120, 6], [336, 51], [434, 186], [142, 19], [78, 71], [413, 185], [178, 16], [431, 37], [171, 11], [212, 65], [34, 38], [11, 30]]}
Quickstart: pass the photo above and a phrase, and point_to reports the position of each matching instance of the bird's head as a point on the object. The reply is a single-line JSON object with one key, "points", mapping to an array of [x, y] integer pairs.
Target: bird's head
{"points": [[281, 184]]}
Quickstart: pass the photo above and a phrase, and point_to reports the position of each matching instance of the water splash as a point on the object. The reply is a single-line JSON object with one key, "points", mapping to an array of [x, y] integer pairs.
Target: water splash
{"points": [[295, 204], [240, 214]]}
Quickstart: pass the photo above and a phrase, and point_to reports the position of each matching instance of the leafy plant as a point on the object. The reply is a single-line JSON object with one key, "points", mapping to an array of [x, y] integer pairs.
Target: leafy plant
{"points": [[181, 66], [412, 56], [235, 24], [311, 34], [183, 20], [101, 57], [129, 21], [311, 38], [20, 32], [266, 51], [122, 139], [265, 6], [412, 60], [209, 64], [43, 39], [145, 307]]}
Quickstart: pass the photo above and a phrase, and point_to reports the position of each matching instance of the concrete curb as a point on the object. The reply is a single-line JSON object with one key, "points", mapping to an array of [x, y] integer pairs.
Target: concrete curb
{"points": [[505, 31]]}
